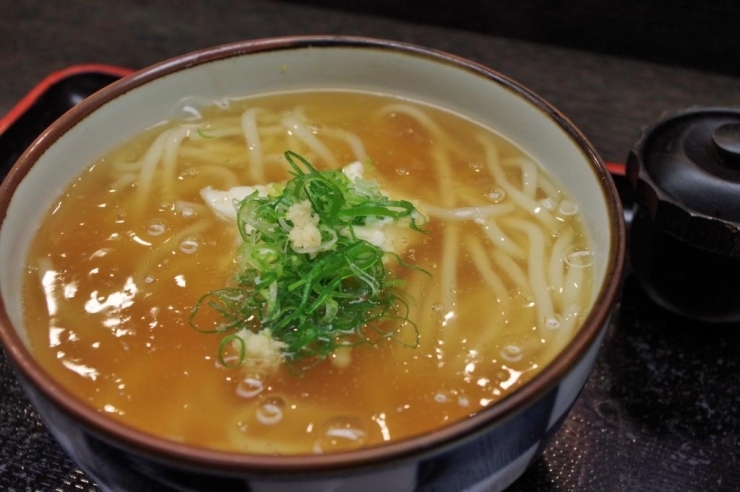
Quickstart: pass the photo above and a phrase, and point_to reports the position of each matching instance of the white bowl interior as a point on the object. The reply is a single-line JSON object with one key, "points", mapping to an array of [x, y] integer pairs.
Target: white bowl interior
{"points": [[401, 73]]}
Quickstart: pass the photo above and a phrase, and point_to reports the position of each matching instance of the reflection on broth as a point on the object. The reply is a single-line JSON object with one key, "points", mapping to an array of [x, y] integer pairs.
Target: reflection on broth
{"points": [[125, 254]]}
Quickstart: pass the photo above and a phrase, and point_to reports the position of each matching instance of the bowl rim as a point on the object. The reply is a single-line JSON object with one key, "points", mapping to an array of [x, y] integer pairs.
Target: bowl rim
{"points": [[395, 452]]}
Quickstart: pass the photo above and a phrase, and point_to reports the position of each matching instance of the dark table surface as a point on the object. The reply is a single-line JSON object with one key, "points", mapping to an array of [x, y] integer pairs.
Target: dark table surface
{"points": [[660, 411]]}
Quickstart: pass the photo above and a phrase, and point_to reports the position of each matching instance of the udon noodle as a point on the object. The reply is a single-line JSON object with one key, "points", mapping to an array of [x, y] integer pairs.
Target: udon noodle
{"points": [[128, 249]]}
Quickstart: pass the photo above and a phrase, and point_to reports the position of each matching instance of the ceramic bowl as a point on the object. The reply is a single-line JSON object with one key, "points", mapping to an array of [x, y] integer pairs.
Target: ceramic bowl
{"points": [[487, 451]]}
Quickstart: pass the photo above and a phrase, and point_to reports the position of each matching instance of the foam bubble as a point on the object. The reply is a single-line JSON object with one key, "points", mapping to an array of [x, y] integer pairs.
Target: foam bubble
{"points": [[342, 433], [189, 246], [270, 412], [156, 229], [512, 353], [496, 195], [568, 207], [251, 384], [552, 322], [581, 258]]}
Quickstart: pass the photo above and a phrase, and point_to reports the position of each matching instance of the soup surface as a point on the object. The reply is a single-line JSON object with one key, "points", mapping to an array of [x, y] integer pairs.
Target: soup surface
{"points": [[125, 253]]}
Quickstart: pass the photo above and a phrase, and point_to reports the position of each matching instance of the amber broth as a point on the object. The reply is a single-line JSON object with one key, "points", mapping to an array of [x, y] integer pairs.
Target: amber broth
{"points": [[108, 296]]}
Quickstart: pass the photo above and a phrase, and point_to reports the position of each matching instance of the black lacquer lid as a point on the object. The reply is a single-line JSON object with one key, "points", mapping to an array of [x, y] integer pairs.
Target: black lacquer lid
{"points": [[686, 173]]}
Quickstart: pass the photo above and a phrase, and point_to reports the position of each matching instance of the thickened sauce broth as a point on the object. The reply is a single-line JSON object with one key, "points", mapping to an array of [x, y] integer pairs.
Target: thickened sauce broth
{"points": [[128, 249]]}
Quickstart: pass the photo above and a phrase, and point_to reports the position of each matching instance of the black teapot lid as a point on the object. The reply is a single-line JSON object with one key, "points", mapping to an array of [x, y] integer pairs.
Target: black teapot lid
{"points": [[686, 173]]}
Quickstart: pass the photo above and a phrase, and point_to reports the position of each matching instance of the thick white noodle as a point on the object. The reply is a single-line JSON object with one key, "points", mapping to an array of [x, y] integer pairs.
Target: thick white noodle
{"points": [[483, 264], [147, 166], [465, 213], [441, 159], [223, 154], [507, 265], [120, 167], [148, 263], [549, 189], [559, 337], [169, 162], [184, 207], [353, 141], [417, 114], [570, 316], [536, 267], [556, 273], [271, 130], [529, 178], [124, 180], [421, 310], [543, 182], [501, 240], [529, 204], [573, 284], [298, 129], [448, 274], [221, 177]]}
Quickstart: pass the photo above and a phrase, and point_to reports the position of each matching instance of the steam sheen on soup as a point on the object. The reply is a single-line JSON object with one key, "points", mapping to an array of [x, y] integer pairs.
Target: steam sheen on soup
{"points": [[123, 256]]}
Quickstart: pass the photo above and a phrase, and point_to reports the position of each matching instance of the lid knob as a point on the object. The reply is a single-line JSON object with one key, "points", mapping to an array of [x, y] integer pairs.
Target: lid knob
{"points": [[726, 140]]}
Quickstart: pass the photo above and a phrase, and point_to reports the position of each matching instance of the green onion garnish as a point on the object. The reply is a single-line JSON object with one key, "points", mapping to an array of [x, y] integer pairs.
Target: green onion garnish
{"points": [[204, 134], [305, 275]]}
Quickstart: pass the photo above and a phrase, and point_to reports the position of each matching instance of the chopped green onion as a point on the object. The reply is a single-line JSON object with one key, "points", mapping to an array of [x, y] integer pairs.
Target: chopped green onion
{"points": [[204, 134], [336, 295]]}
